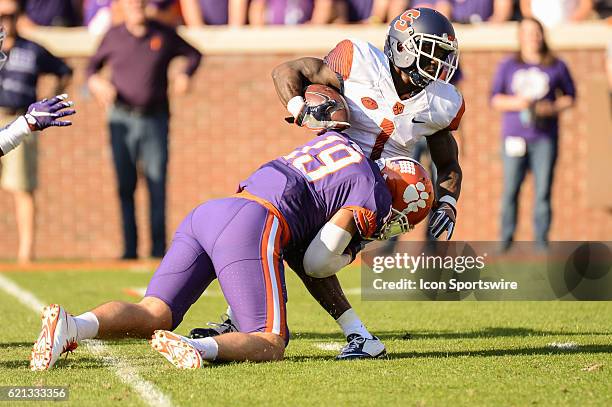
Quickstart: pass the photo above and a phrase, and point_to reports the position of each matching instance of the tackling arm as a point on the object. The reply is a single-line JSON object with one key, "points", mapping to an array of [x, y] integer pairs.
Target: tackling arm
{"points": [[326, 255]]}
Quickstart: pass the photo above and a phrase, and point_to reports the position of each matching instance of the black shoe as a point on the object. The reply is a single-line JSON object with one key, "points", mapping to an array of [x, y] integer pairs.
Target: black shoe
{"points": [[215, 329], [359, 347]]}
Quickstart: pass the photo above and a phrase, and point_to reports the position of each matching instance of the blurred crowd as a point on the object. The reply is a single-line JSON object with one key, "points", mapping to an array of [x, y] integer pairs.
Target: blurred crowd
{"points": [[99, 15]]}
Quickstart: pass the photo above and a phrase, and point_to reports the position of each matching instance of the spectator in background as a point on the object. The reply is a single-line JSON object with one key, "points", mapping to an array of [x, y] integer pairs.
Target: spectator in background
{"points": [[476, 11], [197, 13], [290, 12], [63, 13], [384, 11], [165, 11], [531, 88], [360, 11], [18, 80], [99, 15], [139, 52], [556, 12]]}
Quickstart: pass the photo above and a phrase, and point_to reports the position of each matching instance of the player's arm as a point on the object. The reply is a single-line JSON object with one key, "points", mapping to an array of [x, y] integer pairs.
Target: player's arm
{"points": [[327, 253], [445, 155], [39, 116], [290, 79]]}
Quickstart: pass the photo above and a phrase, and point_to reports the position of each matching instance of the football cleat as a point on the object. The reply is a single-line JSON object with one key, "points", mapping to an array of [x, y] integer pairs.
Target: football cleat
{"points": [[359, 347], [57, 336], [216, 329], [176, 349]]}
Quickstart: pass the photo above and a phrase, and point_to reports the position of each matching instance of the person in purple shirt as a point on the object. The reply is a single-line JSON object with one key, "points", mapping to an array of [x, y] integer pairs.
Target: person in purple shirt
{"points": [[325, 194], [531, 88], [64, 13], [355, 11], [476, 11], [197, 13], [139, 53]]}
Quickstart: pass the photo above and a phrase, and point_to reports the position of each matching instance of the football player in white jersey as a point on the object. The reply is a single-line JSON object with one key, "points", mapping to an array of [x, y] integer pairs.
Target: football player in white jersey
{"points": [[39, 116], [395, 98]]}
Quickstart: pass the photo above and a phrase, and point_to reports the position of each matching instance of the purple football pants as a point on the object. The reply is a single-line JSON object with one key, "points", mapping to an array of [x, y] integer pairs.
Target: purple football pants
{"points": [[238, 241]]}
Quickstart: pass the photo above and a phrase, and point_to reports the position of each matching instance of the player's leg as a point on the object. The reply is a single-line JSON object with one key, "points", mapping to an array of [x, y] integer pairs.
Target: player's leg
{"points": [[542, 159], [515, 169], [182, 276], [328, 293], [246, 256], [154, 148], [124, 146], [19, 175]]}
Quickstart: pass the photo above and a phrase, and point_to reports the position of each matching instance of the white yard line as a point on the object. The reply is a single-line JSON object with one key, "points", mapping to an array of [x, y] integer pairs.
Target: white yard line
{"points": [[563, 345], [331, 346], [147, 391]]}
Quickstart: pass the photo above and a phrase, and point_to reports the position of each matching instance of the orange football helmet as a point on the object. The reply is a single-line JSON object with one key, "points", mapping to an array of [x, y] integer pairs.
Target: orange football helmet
{"points": [[412, 192]]}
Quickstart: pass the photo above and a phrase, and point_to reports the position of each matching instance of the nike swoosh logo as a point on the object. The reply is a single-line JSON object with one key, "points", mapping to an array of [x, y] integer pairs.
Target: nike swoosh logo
{"points": [[36, 113], [416, 121]]}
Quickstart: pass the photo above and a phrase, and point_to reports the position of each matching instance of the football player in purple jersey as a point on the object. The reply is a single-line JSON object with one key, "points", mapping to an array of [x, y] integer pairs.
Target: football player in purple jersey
{"points": [[39, 115], [396, 97], [325, 196]]}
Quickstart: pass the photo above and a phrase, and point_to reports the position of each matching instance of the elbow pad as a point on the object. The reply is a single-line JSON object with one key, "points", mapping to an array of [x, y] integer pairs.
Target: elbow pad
{"points": [[325, 254]]}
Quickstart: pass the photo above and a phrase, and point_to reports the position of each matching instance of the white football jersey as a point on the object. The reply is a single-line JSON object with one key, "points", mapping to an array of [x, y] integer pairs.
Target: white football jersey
{"points": [[382, 124]]}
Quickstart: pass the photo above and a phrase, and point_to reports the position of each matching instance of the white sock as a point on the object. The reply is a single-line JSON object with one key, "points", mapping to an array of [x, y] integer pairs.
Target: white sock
{"points": [[87, 326], [207, 347], [351, 324]]}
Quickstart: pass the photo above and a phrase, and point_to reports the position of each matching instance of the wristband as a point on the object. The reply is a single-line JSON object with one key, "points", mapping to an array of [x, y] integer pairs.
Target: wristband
{"points": [[449, 200], [295, 105], [12, 135]]}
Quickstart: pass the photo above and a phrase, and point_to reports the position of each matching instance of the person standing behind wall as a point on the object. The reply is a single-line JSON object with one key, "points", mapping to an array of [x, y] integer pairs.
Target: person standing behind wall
{"points": [[18, 80], [139, 52], [531, 88]]}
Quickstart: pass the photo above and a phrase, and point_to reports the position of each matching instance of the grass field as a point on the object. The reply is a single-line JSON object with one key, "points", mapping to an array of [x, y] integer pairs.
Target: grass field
{"points": [[460, 354]]}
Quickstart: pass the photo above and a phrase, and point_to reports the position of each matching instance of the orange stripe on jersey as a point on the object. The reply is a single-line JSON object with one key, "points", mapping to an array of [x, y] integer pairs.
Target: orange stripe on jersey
{"points": [[279, 285], [266, 273], [365, 220], [387, 128], [286, 232], [340, 59], [454, 124]]}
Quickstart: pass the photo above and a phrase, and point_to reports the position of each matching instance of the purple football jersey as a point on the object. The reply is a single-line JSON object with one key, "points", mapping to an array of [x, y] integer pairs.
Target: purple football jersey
{"points": [[309, 185]]}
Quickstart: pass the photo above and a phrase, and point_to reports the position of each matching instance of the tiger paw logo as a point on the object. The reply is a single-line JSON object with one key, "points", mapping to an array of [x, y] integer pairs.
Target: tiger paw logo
{"points": [[416, 197]]}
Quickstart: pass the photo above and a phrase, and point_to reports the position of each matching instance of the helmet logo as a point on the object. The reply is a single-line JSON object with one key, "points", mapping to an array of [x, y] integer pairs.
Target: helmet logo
{"points": [[416, 197], [406, 19]]}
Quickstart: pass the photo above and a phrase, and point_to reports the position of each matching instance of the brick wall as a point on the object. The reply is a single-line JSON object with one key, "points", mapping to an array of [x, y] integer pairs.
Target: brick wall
{"points": [[232, 122]]}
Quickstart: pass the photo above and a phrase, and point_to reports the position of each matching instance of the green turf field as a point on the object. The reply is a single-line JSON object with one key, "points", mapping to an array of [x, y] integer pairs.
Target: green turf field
{"points": [[470, 353]]}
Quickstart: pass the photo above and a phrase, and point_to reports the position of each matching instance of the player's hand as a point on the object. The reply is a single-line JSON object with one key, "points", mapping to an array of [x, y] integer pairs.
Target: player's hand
{"points": [[354, 247], [318, 117], [315, 117], [46, 112], [443, 219]]}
